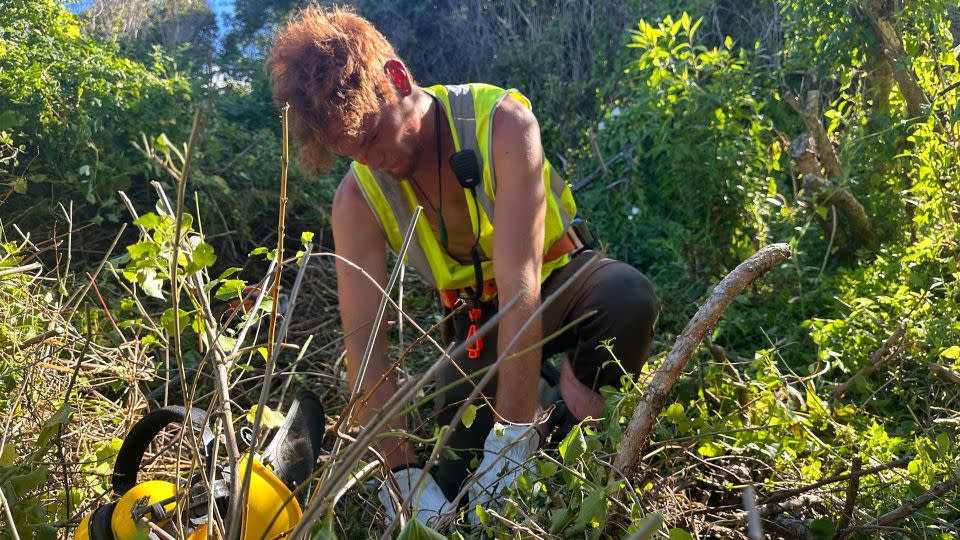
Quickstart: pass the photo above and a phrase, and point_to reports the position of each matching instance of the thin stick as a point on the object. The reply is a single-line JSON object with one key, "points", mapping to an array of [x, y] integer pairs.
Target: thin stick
{"points": [[20, 269], [782, 495], [9, 516], [754, 529], [877, 360], [853, 486], [912, 505]]}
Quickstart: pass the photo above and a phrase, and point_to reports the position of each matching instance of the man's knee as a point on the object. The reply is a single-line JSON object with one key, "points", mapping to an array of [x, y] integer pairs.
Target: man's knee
{"points": [[631, 299]]}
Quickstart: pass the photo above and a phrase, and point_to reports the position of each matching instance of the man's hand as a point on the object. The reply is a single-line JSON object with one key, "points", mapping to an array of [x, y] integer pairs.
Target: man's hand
{"points": [[426, 505], [505, 453]]}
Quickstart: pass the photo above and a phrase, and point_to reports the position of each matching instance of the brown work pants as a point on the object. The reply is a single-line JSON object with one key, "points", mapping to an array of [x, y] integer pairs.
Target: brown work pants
{"points": [[626, 313]]}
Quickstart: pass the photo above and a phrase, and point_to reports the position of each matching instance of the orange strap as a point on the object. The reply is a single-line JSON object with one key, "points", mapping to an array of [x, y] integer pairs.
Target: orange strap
{"points": [[560, 248]]}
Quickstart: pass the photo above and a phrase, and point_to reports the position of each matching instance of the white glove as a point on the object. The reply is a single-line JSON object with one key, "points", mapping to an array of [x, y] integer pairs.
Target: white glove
{"points": [[505, 453], [428, 504]]}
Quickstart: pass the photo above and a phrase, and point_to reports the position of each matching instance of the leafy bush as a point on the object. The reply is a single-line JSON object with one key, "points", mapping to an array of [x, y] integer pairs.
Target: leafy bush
{"points": [[693, 164], [71, 107]]}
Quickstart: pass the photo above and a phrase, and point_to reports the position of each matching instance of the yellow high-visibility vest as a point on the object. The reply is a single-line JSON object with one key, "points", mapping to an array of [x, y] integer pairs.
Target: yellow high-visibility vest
{"points": [[469, 109]]}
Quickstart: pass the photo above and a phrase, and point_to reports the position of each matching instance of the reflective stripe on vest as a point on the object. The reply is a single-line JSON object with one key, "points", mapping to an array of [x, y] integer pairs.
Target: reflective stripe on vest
{"points": [[469, 109]]}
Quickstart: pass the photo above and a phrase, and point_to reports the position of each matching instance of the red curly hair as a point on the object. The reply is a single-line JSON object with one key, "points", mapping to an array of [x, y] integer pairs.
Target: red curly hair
{"points": [[328, 65]]}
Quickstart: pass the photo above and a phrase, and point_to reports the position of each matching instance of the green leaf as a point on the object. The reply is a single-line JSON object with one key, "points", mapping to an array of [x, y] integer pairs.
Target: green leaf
{"points": [[9, 119], [674, 412], [8, 455], [323, 532], [143, 250], [594, 508], [258, 251], [953, 353], [727, 42], [25, 483], [167, 322], [482, 516], [414, 530], [151, 284], [230, 289], [203, 256], [306, 237], [573, 445], [228, 272], [559, 518], [823, 528], [50, 427], [226, 342], [469, 415], [148, 221], [648, 526], [680, 534], [708, 449], [271, 419]]}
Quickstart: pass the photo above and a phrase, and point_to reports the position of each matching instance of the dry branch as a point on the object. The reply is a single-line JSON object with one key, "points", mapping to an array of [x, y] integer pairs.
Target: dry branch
{"points": [[826, 192], [809, 111], [812, 152], [912, 505], [899, 60], [878, 359], [647, 411], [853, 486], [944, 373]]}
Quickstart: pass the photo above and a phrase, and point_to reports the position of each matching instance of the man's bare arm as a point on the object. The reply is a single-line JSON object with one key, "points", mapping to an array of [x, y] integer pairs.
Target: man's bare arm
{"points": [[358, 238], [518, 252]]}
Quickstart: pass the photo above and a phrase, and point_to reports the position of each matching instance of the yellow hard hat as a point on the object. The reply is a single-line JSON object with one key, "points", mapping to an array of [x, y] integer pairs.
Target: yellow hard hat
{"points": [[269, 508], [139, 502]]}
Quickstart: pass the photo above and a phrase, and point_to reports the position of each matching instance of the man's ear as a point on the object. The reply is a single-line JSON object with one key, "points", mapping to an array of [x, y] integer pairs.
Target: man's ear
{"points": [[399, 76]]}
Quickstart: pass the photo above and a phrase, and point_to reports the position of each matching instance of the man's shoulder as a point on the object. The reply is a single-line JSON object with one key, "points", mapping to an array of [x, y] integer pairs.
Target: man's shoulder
{"points": [[348, 195], [513, 116]]}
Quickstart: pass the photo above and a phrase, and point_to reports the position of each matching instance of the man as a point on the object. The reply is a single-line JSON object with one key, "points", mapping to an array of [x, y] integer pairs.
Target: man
{"points": [[496, 226]]}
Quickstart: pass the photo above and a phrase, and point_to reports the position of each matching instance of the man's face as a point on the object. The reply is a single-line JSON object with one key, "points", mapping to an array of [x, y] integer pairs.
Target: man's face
{"points": [[386, 141]]}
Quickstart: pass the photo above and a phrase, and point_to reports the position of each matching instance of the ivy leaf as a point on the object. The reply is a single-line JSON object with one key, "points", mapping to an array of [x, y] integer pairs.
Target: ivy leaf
{"points": [[573, 445], [469, 415], [203, 256], [674, 412], [414, 530], [270, 419], [167, 322], [50, 427], [708, 449], [230, 289], [148, 221], [143, 250], [151, 284], [594, 508], [953, 353], [8, 456], [25, 483]]}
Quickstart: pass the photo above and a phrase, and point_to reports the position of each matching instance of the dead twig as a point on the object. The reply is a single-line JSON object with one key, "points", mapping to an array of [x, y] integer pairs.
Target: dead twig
{"points": [[912, 505], [944, 373], [878, 359], [853, 486]]}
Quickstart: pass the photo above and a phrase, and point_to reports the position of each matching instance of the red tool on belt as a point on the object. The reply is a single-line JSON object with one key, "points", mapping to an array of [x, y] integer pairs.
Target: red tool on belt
{"points": [[473, 351]]}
